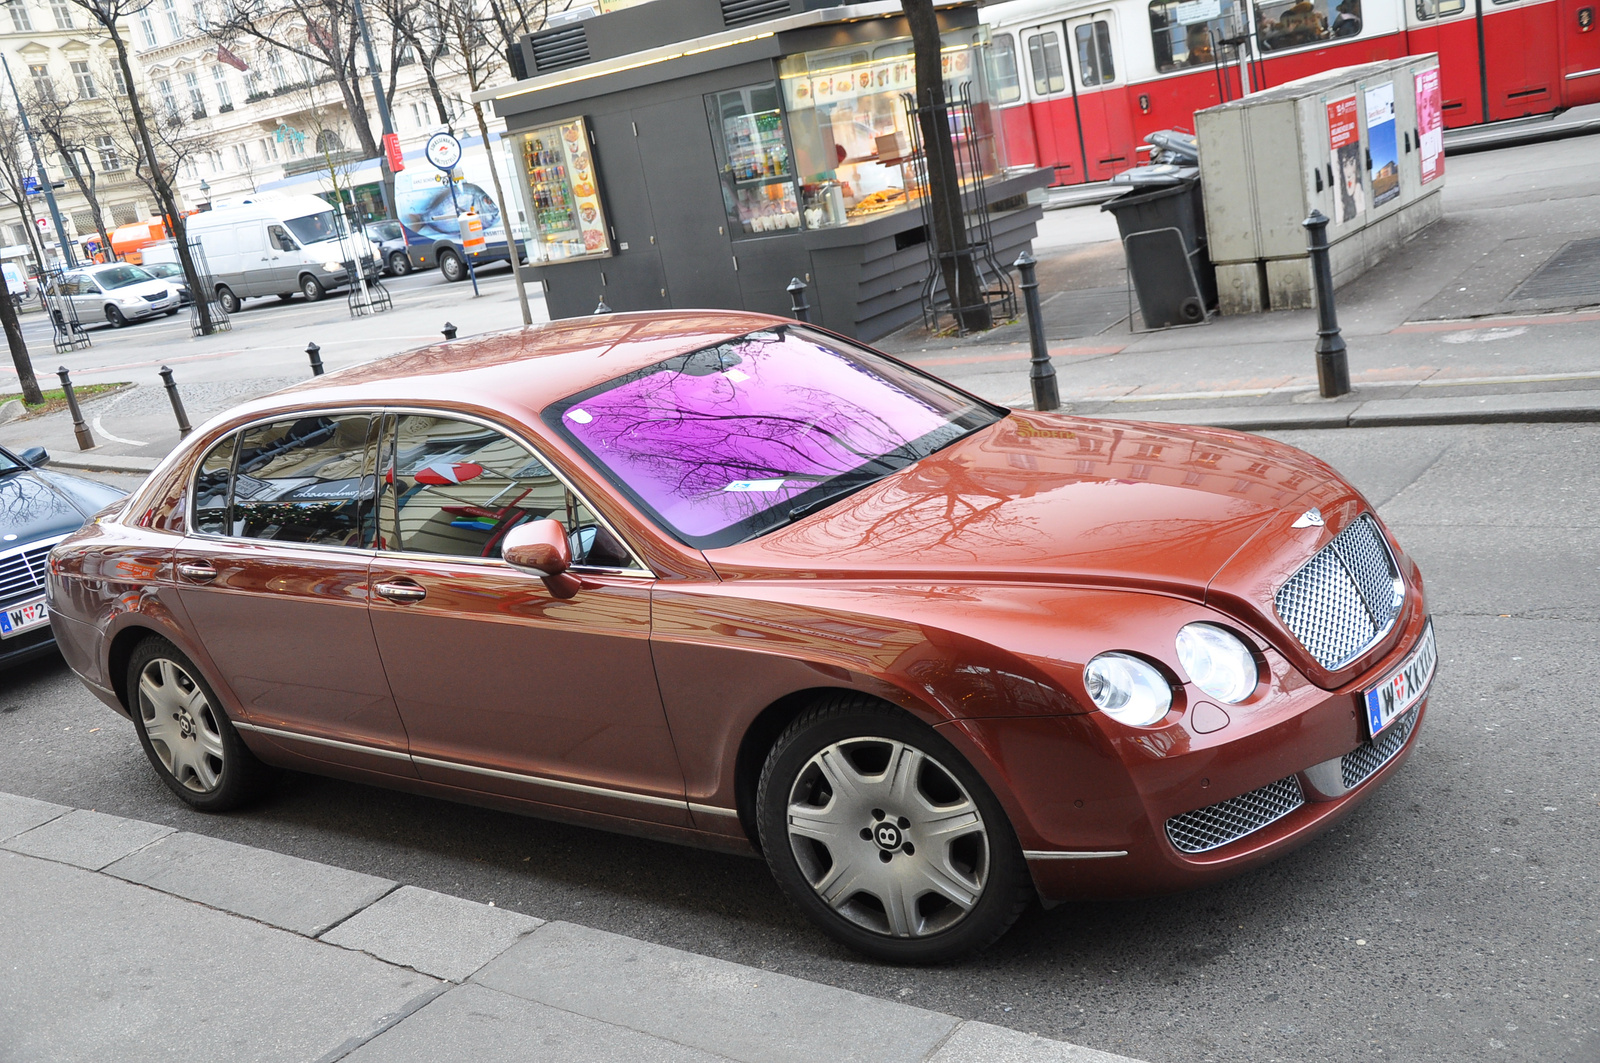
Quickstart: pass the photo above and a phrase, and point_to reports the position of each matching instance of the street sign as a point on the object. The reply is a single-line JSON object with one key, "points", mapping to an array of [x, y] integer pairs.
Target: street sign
{"points": [[41, 223], [444, 151], [30, 186]]}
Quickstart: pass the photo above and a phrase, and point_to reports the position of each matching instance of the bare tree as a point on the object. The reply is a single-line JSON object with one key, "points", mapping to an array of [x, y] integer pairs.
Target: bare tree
{"points": [[68, 124], [12, 168], [109, 16], [16, 162]]}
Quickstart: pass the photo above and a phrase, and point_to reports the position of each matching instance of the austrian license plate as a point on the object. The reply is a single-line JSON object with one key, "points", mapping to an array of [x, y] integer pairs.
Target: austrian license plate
{"points": [[1403, 687], [16, 619]]}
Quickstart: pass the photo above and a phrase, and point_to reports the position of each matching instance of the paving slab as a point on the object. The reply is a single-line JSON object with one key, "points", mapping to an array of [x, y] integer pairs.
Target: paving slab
{"points": [[18, 814], [981, 1042], [447, 937], [87, 839], [483, 1026], [1524, 407], [98, 969], [285, 891], [737, 1011]]}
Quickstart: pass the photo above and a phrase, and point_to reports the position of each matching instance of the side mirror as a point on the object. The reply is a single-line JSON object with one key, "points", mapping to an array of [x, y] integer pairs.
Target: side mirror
{"points": [[541, 547], [36, 457]]}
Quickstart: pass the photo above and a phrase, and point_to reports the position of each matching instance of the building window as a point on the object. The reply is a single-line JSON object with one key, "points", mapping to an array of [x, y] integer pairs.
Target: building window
{"points": [[280, 80], [124, 213], [147, 28], [85, 80], [269, 148], [328, 141], [19, 16], [118, 82], [42, 84], [200, 21], [110, 158], [220, 78], [197, 100], [241, 155], [170, 9], [252, 84], [169, 102], [62, 10]]}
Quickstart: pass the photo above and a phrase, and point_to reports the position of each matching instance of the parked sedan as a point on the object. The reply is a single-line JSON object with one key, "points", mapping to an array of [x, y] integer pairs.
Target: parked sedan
{"points": [[725, 579], [115, 292], [172, 273], [37, 510]]}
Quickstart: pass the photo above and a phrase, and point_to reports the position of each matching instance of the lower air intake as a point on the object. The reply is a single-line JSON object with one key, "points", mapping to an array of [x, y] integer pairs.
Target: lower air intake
{"points": [[1226, 821]]}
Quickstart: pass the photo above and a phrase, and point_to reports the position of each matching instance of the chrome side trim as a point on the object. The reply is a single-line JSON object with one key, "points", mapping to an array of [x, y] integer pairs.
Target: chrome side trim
{"points": [[1583, 73], [295, 736], [713, 810], [557, 784], [1035, 854]]}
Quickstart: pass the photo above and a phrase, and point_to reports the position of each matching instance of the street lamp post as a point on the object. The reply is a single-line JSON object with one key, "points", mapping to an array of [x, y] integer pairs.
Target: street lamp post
{"points": [[44, 176]]}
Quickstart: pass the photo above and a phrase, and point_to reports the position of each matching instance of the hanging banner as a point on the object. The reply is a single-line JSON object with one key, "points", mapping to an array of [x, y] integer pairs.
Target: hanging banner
{"points": [[1344, 144], [392, 152], [1430, 125], [1383, 148]]}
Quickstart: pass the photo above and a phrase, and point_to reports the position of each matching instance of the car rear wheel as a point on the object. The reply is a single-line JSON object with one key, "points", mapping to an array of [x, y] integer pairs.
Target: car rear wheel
{"points": [[885, 837], [114, 316], [452, 267], [229, 301], [312, 288], [185, 733], [399, 263]]}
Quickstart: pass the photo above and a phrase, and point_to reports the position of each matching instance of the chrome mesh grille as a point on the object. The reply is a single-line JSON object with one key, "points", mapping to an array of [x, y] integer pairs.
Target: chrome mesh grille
{"points": [[22, 574], [1345, 598], [1358, 765], [1217, 825]]}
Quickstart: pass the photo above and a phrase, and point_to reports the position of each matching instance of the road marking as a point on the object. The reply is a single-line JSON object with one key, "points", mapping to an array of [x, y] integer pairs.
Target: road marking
{"points": [[100, 429]]}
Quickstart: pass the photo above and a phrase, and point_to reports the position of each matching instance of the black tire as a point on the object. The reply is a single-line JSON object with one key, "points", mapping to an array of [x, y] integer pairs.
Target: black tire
{"points": [[114, 316], [284, 297], [988, 865], [60, 322], [399, 263], [312, 289], [1191, 310], [230, 302], [201, 758], [171, 311], [452, 266]]}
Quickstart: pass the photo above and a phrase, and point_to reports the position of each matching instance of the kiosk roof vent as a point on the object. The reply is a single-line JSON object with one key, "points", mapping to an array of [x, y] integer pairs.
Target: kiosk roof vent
{"points": [[744, 12], [560, 48]]}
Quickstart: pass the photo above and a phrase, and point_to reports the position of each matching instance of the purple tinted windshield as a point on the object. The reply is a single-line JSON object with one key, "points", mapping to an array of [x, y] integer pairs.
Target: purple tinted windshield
{"points": [[722, 443]]}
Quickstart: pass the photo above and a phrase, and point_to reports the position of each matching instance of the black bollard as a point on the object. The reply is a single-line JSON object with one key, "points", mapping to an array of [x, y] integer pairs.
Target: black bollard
{"points": [[1333, 364], [1041, 372], [79, 429], [797, 299], [184, 427], [314, 353], [449, 331], [603, 308]]}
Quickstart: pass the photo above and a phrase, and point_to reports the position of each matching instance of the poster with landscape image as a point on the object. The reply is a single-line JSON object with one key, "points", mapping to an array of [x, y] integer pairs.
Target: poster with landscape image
{"points": [[1383, 167]]}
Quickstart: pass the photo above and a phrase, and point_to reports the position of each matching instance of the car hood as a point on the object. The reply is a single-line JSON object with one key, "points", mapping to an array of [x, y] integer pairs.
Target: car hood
{"points": [[1045, 497], [36, 505], [142, 289]]}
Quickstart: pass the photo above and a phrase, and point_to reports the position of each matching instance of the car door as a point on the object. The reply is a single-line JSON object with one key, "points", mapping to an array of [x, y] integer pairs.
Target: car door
{"points": [[502, 686], [283, 260], [87, 299], [273, 577], [255, 263]]}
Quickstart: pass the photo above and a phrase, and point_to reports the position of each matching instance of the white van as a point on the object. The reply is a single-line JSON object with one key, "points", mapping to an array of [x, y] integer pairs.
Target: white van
{"points": [[276, 245]]}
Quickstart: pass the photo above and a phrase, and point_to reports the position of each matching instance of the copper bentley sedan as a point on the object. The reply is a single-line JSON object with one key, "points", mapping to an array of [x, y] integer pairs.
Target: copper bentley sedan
{"points": [[729, 580]]}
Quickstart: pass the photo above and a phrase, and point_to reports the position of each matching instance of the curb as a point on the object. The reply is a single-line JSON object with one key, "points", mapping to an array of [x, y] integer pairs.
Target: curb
{"points": [[107, 463], [1531, 408]]}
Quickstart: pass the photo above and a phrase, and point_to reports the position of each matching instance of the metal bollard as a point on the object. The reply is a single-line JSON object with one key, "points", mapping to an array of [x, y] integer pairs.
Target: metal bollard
{"points": [[184, 427], [79, 429], [449, 331], [314, 353], [603, 308], [1333, 364], [1042, 374], [797, 297]]}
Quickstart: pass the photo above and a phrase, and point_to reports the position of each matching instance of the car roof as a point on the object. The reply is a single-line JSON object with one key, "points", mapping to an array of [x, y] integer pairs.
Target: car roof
{"points": [[523, 370]]}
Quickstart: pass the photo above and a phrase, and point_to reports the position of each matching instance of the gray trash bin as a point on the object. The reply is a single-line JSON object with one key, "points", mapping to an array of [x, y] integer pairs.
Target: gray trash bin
{"points": [[1162, 222]]}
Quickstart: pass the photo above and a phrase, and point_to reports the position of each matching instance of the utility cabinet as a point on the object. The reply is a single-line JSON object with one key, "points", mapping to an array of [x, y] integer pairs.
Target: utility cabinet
{"points": [[1362, 144]]}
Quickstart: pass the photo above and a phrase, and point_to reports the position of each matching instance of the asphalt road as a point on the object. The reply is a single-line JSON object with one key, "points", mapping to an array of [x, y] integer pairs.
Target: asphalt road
{"points": [[1451, 918]]}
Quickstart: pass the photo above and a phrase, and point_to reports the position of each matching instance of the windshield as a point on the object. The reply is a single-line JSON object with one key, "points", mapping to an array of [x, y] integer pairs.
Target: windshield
{"points": [[8, 463], [384, 230], [121, 277], [314, 228], [729, 442], [164, 269]]}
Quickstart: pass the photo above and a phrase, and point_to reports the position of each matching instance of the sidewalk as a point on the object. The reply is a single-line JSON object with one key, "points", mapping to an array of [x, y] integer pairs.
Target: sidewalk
{"points": [[130, 941]]}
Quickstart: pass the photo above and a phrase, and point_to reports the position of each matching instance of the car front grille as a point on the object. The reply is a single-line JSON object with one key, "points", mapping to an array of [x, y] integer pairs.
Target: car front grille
{"points": [[1226, 821], [22, 573], [1358, 765], [154, 298], [1345, 598]]}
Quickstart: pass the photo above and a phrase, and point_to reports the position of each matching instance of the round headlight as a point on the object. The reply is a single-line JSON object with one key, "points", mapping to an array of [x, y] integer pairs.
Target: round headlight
{"points": [[1127, 689], [1217, 662]]}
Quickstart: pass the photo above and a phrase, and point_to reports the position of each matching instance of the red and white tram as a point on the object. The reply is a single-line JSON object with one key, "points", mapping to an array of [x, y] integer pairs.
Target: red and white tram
{"points": [[1078, 83]]}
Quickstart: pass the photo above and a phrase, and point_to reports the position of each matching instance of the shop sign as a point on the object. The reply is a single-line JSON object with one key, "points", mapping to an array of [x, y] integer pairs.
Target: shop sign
{"points": [[1344, 144], [391, 149], [1430, 125], [1383, 149]]}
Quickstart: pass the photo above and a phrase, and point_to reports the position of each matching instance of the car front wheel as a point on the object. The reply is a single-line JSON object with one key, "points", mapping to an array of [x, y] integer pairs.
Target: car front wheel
{"points": [[312, 288], [115, 316], [885, 837], [452, 267], [399, 264], [230, 301], [185, 733]]}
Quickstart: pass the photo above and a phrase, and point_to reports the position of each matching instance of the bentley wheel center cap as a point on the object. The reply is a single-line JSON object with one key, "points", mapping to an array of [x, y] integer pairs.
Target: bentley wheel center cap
{"points": [[185, 725], [888, 837]]}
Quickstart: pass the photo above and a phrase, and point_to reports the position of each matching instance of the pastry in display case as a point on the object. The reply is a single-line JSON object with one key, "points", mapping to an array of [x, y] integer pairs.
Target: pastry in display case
{"points": [[563, 193]]}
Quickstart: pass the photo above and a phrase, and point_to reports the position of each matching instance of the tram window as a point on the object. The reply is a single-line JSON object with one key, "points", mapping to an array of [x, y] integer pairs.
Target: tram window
{"points": [[1179, 44], [1003, 69], [1438, 8], [1044, 59], [1293, 23], [1094, 54]]}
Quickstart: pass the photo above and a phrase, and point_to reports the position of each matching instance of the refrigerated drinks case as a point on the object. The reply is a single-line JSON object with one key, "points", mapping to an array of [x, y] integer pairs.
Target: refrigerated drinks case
{"points": [[569, 220]]}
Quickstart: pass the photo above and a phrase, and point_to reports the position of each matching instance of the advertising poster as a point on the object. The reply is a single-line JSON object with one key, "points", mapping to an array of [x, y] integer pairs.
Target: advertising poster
{"points": [[1430, 125], [1344, 145], [1383, 144]]}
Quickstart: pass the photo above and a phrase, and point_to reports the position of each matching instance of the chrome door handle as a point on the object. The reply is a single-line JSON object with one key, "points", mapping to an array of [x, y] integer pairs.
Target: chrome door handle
{"points": [[401, 592], [197, 571]]}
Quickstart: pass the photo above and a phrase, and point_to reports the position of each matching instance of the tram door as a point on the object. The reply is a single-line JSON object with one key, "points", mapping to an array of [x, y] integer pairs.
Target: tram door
{"points": [[1450, 28], [1579, 22], [1101, 84], [1520, 53], [1052, 103]]}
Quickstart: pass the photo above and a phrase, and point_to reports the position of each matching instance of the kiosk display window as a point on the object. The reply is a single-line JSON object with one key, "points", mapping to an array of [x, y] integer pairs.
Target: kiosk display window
{"points": [[563, 191]]}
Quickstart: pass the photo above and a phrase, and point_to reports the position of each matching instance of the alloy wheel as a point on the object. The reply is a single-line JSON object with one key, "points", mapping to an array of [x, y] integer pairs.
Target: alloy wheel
{"points": [[181, 725], [887, 837]]}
